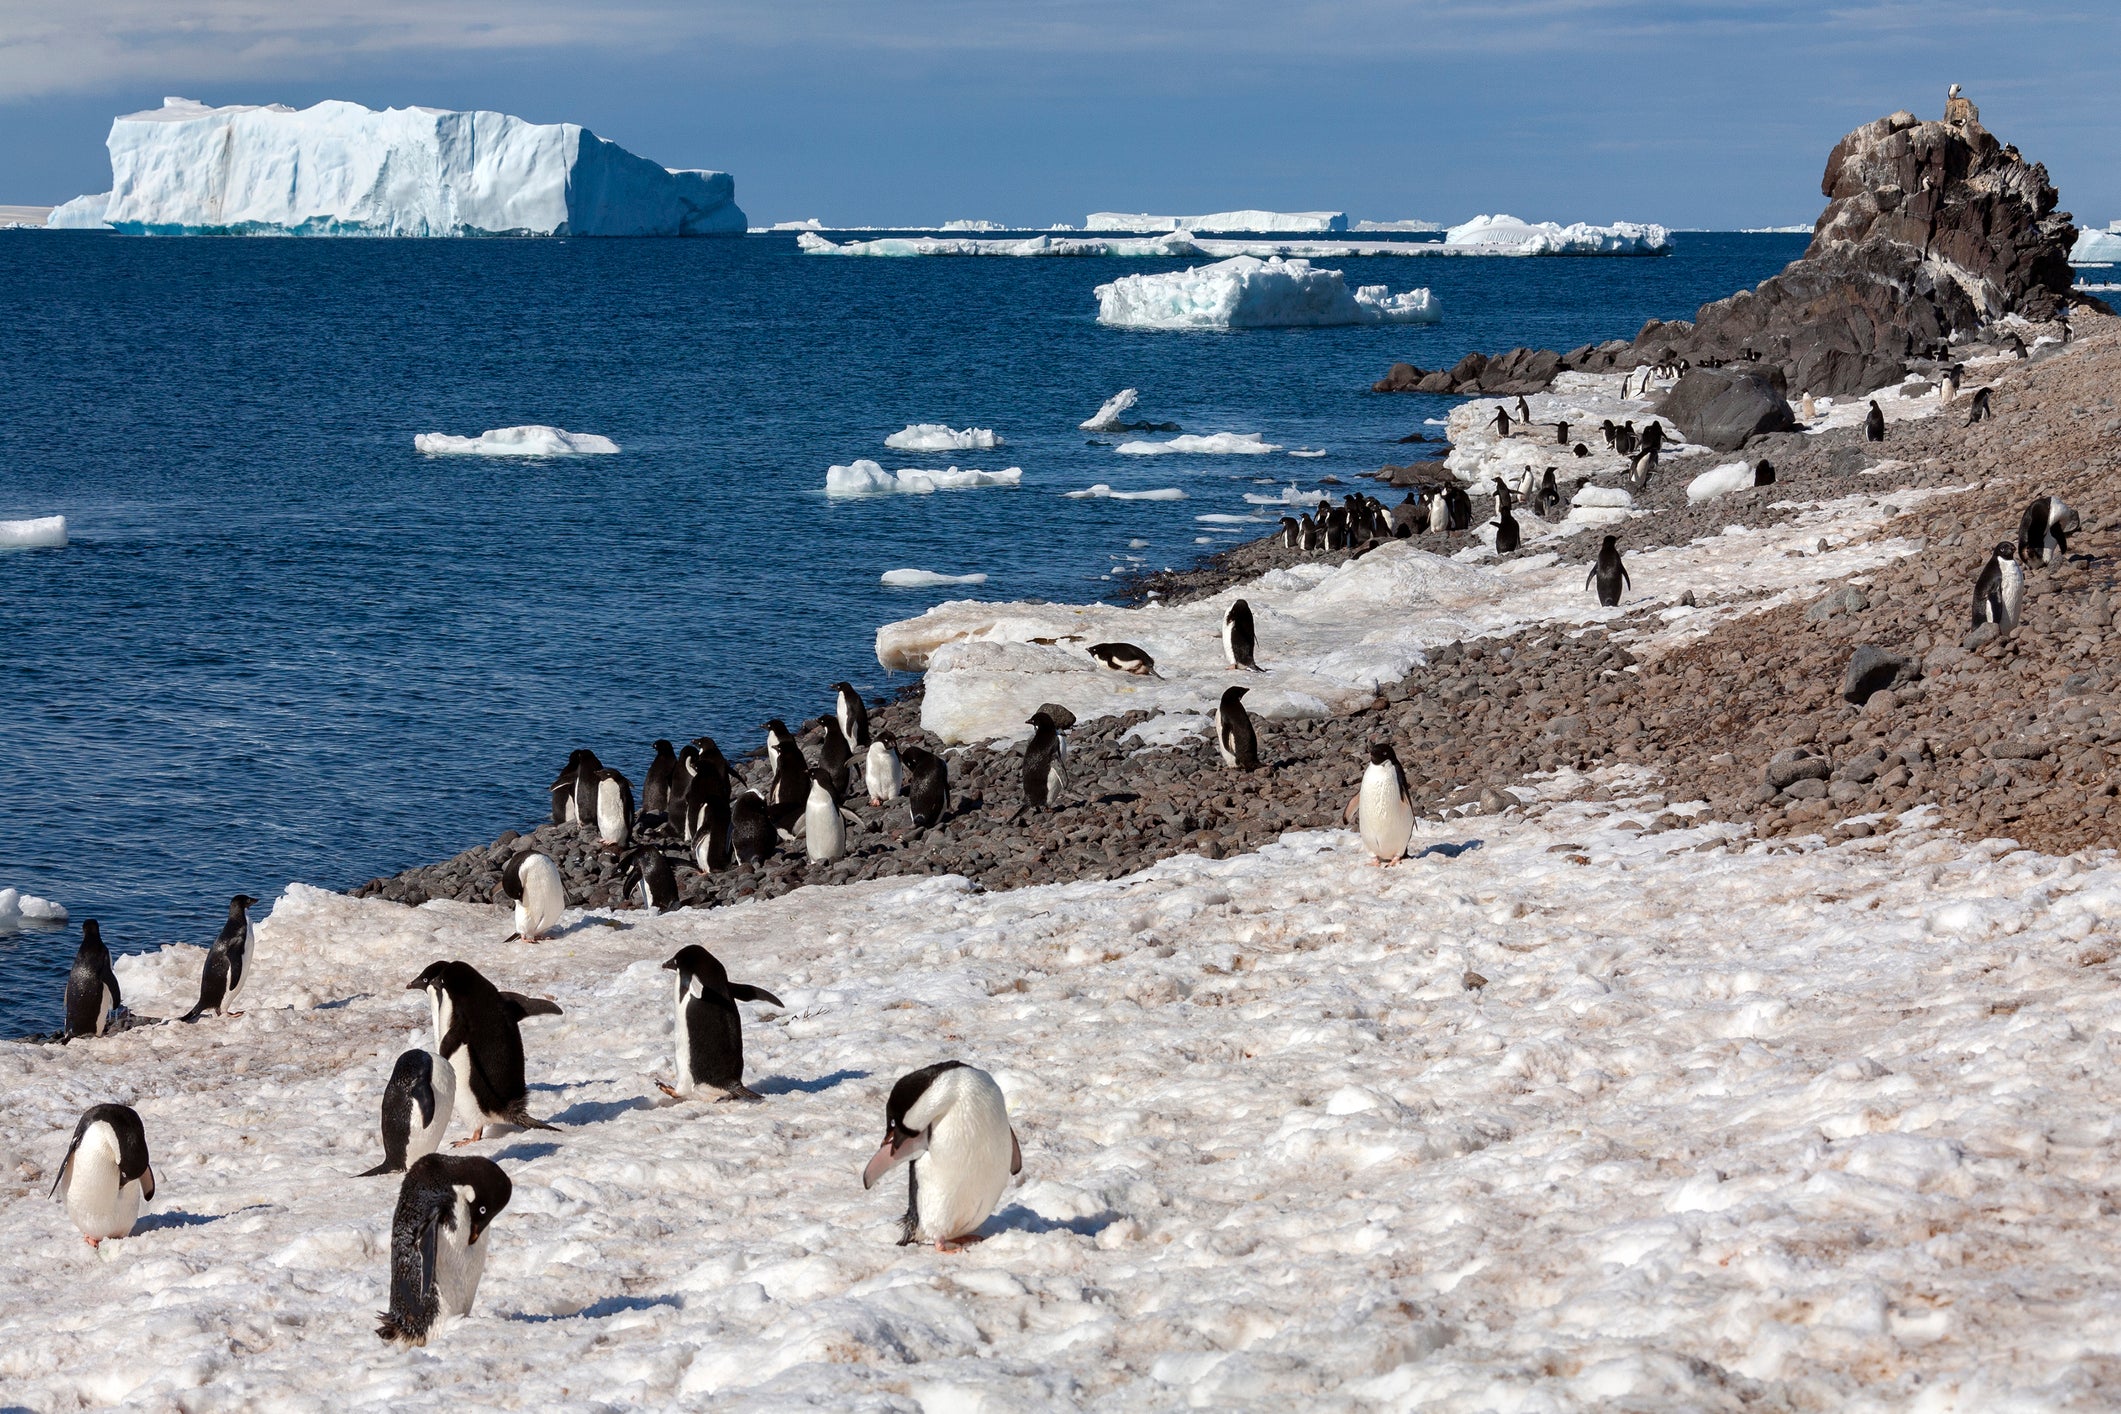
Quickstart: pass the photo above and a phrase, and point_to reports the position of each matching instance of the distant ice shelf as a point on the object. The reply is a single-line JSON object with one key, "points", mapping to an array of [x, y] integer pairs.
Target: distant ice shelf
{"points": [[1173, 245], [531, 441], [1214, 444], [339, 169], [1321, 222], [926, 579], [1245, 292]]}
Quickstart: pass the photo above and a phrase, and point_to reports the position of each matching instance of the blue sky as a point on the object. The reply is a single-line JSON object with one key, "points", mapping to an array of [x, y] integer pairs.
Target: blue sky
{"points": [[1690, 112]]}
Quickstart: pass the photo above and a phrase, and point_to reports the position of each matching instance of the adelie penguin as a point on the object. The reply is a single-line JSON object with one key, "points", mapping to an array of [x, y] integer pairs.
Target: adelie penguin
{"points": [[927, 785], [1458, 508], [416, 1106], [825, 820], [614, 811], [883, 773], [1383, 811], [1289, 533], [789, 787], [1125, 658], [1609, 572], [532, 881], [1999, 589], [1978, 409], [648, 870], [92, 992], [2044, 531], [1045, 764], [587, 770], [478, 1030], [781, 742], [853, 715], [835, 753], [1506, 534], [710, 1030], [950, 1122], [438, 1241], [656, 786], [1238, 643], [1234, 737], [106, 1173], [1874, 423], [228, 962], [751, 834], [563, 789]]}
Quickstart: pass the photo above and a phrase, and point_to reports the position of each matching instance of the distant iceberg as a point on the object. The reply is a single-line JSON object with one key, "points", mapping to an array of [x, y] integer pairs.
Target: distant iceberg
{"points": [[935, 437], [1245, 292], [338, 169], [1318, 222], [1506, 235], [2097, 247], [43, 533], [1421, 227], [866, 478], [1215, 444], [531, 441]]}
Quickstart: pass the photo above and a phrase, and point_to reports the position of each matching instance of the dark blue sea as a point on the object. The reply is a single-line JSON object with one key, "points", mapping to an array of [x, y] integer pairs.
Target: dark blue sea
{"points": [[283, 645]]}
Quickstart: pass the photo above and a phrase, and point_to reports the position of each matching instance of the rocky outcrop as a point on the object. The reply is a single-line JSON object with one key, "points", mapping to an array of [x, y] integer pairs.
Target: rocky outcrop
{"points": [[1724, 408], [1932, 233]]}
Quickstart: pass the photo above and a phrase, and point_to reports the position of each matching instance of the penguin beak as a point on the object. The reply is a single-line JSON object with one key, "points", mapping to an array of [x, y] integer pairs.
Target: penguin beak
{"points": [[890, 1154]]}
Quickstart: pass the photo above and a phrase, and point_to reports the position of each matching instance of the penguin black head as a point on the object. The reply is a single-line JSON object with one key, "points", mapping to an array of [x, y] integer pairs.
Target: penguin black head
{"points": [[1039, 719], [1234, 695], [91, 932], [1381, 752], [844, 687], [2005, 550], [900, 1142], [695, 961], [1612, 543], [490, 1191], [819, 776], [241, 902], [777, 727], [445, 976]]}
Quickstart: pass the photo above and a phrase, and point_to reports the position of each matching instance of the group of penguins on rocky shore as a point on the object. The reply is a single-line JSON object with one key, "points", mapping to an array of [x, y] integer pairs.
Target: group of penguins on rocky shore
{"points": [[948, 1122]]}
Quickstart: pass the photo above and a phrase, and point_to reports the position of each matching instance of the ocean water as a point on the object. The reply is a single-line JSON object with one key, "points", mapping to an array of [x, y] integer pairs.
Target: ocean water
{"points": [[283, 645]]}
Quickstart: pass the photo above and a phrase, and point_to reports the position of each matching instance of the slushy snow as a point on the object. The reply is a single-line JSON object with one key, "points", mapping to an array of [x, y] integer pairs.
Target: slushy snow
{"points": [[340, 169], [529, 441], [1245, 292], [1508, 235], [40, 533], [935, 437], [1321, 222], [1213, 444], [866, 478], [924, 579]]}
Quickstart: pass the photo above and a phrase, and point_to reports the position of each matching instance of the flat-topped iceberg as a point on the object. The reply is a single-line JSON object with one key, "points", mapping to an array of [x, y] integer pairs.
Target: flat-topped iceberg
{"points": [[935, 437], [338, 169], [42, 533], [1313, 221], [866, 478], [2097, 247], [531, 441], [1245, 292], [1213, 444], [1506, 235]]}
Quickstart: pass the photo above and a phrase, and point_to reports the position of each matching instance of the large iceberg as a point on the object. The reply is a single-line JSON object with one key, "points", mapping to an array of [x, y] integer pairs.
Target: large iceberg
{"points": [[339, 169], [1245, 292], [1313, 221], [1506, 235], [2097, 247]]}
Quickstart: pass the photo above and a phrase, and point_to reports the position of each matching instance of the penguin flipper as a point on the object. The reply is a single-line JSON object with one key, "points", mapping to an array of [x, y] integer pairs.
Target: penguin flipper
{"points": [[744, 992], [147, 1185], [1347, 816], [525, 1007], [1016, 1155]]}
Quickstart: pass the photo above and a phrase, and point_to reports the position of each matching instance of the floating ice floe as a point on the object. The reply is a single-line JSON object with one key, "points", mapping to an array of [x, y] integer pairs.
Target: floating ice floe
{"points": [[1508, 235], [1245, 292], [1102, 492], [1109, 417], [935, 437], [340, 169], [530, 441], [925, 579], [1222, 518], [1316, 221], [1214, 444], [866, 478], [18, 908], [41, 533]]}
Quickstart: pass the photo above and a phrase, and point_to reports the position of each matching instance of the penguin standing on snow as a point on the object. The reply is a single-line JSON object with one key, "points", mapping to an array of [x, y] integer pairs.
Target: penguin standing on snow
{"points": [[106, 1173], [478, 1030], [883, 772], [1234, 737], [710, 1030], [2044, 531], [1384, 812], [751, 834], [416, 1106], [853, 715], [1045, 764], [1238, 642], [648, 869], [1506, 534], [1999, 589], [227, 962], [532, 880], [438, 1241], [656, 798], [927, 785], [1874, 423], [91, 987], [614, 815], [1609, 572], [1501, 423], [1548, 497], [951, 1122], [825, 820]]}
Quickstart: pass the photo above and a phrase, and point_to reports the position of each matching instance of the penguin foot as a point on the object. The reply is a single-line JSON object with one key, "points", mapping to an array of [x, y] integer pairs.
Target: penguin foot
{"points": [[472, 1138], [673, 1094], [741, 1092], [959, 1244], [94, 1242]]}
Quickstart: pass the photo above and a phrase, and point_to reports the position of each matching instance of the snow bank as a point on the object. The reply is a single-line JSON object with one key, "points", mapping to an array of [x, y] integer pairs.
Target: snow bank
{"points": [[1720, 481], [1244, 292], [42, 533], [1109, 417], [529, 441], [1318, 221], [2097, 247], [1102, 492], [1508, 235], [1214, 444], [923, 579], [866, 478], [341, 169], [18, 908], [935, 437]]}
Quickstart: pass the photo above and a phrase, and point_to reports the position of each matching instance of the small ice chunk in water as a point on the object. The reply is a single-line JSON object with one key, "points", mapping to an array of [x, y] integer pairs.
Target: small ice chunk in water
{"points": [[866, 478], [42, 533], [1108, 417], [533, 440], [1215, 444], [935, 437], [1103, 492], [17, 908], [923, 579]]}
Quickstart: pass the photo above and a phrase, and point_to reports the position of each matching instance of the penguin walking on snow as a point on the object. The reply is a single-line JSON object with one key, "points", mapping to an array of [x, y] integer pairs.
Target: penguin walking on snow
{"points": [[1234, 737], [228, 962], [1999, 589], [416, 1105], [438, 1245], [478, 1030], [1610, 573], [2044, 531], [1874, 423], [853, 715], [927, 785], [883, 772], [1045, 764], [825, 820], [92, 992], [648, 869], [533, 881], [106, 1173], [1506, 534], [710, 1030], [950, 1122], [1384, 812], [1238, 642]]}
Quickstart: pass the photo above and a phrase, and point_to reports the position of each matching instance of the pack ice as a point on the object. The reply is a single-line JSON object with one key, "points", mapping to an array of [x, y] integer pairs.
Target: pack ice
{"points": [[338, 169], [1245, 292]]}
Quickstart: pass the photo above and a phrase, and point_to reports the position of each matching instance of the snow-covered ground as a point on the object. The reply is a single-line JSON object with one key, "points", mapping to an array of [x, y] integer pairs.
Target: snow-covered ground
{"points": [[1561, 1113], [1479, 453], [1245, 292]]}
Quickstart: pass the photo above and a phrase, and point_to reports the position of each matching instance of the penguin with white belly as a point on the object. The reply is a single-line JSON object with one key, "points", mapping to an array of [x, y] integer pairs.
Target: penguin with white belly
{"points": [[91, 987], [106, 1173], [1234, 736], [825, 820], [710, 1030], [438, 1241], [883, 772], [1383, 810], [532, 880], [228, 962], [416, 1106], [950, 1122], [1045, 763], [478, 1030]]}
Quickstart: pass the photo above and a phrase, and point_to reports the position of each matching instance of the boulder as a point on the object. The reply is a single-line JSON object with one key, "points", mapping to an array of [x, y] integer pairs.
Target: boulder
{"points": [[1873, 669], [1724, 408], [1784, 774]]}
